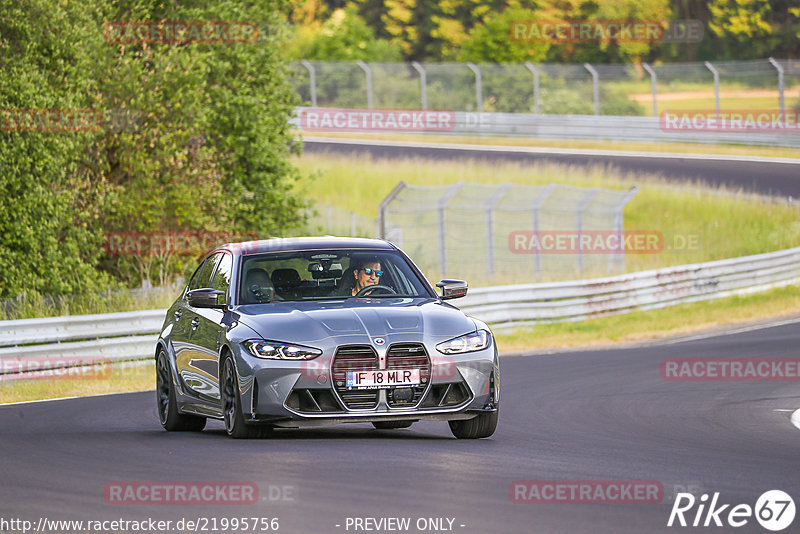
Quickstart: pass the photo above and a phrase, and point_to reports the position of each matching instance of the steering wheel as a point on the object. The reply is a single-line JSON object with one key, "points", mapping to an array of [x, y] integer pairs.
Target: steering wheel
{"points": [[367, 289]]}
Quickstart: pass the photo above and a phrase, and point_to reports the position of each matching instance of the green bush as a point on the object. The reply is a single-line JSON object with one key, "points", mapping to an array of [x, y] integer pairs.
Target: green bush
{"points": [[203, 144]]}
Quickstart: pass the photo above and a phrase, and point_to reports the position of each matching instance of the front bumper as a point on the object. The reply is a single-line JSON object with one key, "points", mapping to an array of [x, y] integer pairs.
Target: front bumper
{"points": [[300, 394]]}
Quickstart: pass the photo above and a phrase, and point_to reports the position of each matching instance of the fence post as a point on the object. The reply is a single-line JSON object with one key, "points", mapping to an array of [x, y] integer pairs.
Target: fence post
{"points": [[595, 87], [478, 85], [495, 198], [781, 101], [368, 76], [312, 80], [352, 224], [714, 71], [537, 257], [384, 204], [535, 73], [423, 83], [451, 192], [653, 81], [330, 220], [619, 227], [587, 198]]}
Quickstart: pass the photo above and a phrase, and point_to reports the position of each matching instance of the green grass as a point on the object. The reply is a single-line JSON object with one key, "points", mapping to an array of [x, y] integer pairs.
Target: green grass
{"points": [[645, 325], [726, 224], [733, 95], [35, 305], [117, 378], [726, 104]]}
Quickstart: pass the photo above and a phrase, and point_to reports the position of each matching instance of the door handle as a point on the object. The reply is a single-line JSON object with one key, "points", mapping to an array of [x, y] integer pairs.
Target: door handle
{"points": [[195, 323]]}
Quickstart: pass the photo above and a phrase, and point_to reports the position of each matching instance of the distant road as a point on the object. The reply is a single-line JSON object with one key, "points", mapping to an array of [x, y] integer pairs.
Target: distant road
{"points": [[769, 176]]}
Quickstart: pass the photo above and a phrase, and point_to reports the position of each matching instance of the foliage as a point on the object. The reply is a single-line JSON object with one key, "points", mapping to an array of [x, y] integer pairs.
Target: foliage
{"points": [[343, 37], [195, 137], [444, 30], [49, 233], [490, 42]]}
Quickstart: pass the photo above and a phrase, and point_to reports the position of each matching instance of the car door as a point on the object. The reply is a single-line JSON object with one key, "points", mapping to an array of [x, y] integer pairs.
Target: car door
{"points": [[208, 337], [195, 365], [179, 335]]}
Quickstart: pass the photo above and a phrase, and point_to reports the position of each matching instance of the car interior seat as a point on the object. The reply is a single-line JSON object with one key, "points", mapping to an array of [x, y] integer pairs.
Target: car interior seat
{"points": [[286, 282], [256, 287]]}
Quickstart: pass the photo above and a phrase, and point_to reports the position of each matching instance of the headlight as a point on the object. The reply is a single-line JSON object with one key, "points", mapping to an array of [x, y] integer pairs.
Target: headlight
{"points": [[275, 350], [468, 343]]}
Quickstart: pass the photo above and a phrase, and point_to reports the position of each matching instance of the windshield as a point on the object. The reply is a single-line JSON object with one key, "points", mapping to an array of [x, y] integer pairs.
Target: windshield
{"points": [[327, 274]]}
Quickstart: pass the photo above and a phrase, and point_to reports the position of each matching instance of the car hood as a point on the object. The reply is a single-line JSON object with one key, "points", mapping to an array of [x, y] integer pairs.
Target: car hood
{"points": [[356, 320]]}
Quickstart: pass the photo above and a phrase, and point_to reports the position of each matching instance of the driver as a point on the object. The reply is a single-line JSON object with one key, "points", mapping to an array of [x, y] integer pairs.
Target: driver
{"points": [[366, 273]]}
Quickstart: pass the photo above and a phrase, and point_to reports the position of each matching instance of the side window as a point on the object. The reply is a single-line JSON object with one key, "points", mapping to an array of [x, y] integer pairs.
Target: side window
{"points": [[204, 280], [222, 280], [193, 279]]}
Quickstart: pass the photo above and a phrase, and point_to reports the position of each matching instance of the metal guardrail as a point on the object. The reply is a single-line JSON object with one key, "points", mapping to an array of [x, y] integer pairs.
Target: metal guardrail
{"points": [[73, 327], [505, 306], [536, 126], [516, 305]]}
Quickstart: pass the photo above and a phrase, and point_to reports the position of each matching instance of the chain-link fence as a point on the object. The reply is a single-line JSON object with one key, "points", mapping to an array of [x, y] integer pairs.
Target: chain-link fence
{"points": [[585, 89], [509, 232], [330, 220]]}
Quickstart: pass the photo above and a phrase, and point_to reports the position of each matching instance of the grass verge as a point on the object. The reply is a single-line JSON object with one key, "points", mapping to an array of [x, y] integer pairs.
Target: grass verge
{"points": [[698, 223], [118, 378], [653, 324]]}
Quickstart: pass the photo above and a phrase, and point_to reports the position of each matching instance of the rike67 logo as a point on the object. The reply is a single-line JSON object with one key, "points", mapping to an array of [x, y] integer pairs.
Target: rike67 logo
{"points": [[774, 510]]}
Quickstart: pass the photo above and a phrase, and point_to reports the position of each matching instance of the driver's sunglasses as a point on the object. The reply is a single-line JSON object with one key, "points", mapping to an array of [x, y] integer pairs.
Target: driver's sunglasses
{"points": [[369, 271]]}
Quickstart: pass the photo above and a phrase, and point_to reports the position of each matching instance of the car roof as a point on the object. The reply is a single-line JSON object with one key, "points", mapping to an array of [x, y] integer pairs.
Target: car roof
{"points": [[277, 244]]}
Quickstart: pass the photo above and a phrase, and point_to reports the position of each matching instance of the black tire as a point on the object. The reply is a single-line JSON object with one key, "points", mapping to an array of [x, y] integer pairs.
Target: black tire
{"points": [[235, 425], [391, 425], [481, 426], [166, 404]]}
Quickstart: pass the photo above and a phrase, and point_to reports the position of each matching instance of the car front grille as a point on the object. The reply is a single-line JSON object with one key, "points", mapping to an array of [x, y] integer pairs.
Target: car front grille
{"points": [[408, 356], [354, 358]]}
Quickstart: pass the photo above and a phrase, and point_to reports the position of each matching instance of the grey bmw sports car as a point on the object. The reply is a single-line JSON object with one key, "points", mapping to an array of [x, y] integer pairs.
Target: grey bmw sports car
{"points": [[315, 331]]}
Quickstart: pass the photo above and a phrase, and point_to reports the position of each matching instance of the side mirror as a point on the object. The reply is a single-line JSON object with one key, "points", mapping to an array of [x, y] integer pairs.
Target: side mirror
{"points": [[452, 289], [206, 298]]}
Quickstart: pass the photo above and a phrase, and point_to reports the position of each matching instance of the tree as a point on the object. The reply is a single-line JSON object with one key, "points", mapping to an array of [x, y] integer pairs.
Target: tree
{"points": [[50, 238], [203, 144], [492, 42], [343, 37]]}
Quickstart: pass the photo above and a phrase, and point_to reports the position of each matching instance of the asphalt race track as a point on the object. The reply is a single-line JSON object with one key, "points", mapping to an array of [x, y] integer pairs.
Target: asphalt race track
{"points": [[599, 415], [755, 175]]}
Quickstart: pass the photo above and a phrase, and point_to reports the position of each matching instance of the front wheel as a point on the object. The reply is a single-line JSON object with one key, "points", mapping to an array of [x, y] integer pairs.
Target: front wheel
{"points": [[235, 425], [168, 414], [481, 426]]}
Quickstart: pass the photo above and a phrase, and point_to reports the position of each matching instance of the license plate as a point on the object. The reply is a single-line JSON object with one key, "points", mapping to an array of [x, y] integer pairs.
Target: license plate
{"points": [[382, 379]]}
